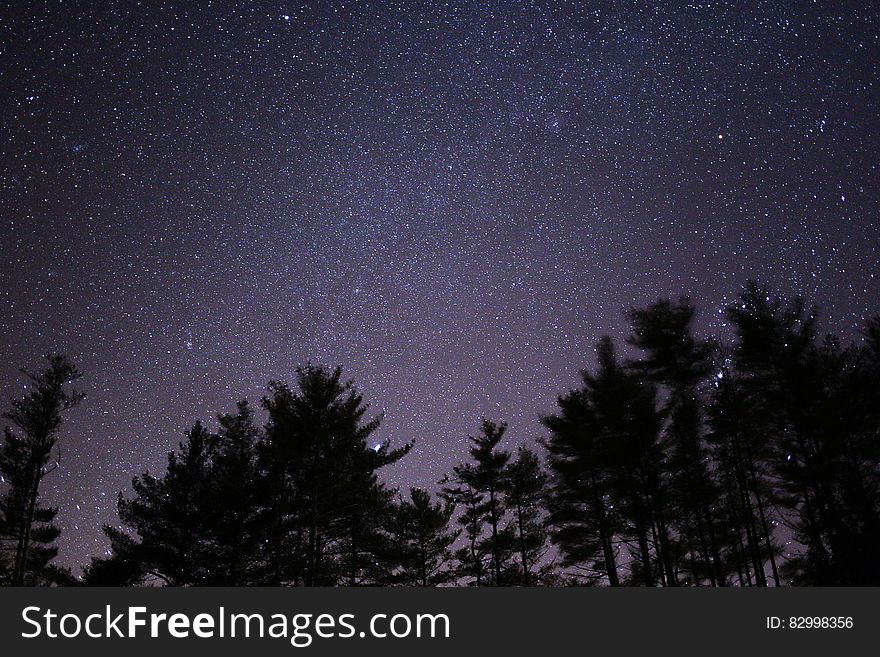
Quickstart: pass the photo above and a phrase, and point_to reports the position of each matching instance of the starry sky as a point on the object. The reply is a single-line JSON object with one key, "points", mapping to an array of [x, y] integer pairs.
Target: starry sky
{"points": [[452, 200]]}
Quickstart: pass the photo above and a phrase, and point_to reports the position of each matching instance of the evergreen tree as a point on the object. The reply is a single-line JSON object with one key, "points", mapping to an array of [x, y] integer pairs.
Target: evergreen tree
{"points": [[675, 359], [471, 558], [812, 402], [365, 544], [328, 505], [299, 504], [27, 529], [165, 532], [480, 486], [200, 523], [526, 487], [422, 540], [581, 512], [740, 447], [630, 424], [113, 570], [233, 521]]}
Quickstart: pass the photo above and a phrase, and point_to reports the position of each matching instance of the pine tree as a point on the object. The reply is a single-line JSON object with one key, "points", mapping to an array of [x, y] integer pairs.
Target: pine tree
{"points": [[329, 506], [113, 570], [773, 377], [365, 545], [581, 512], [234, 519], [811, 400], [472, 557], [740, 449], [525, 490], [27, 529], [422, 540], [480, 485], [198, 524], [626, 407], [165, 532], [673, 358]]}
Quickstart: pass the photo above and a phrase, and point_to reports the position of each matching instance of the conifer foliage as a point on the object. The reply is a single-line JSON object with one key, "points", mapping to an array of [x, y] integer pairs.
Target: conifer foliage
{"points": [[29, 454], [502, 517], [296, 503], [422, 541], [747, 458], [693, 462]]}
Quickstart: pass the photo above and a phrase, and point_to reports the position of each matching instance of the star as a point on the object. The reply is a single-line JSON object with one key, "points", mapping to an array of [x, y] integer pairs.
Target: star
{"points": [[453, 203]]}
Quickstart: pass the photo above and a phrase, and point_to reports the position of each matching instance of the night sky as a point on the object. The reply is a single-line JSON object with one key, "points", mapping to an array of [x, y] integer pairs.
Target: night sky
{"points": [[453, 201]]}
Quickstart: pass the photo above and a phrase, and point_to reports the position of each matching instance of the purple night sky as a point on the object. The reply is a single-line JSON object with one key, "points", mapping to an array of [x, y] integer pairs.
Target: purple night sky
{"points": [[453, 201]]}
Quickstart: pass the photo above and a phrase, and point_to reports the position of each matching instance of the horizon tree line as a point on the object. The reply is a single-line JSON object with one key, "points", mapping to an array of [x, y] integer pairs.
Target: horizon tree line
{"points": [[692, 462]]}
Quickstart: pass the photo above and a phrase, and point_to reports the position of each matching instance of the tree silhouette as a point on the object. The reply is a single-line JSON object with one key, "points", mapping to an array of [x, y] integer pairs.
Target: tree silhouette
{"points": [[525, 490], [582, 514], [459, 491], [27, 529], [480, 486], [742, 451], [233, 520], [422, 540], [328, 503], [691, 462], [674, 359], [814, 401], [165, 534], [299, 503]]}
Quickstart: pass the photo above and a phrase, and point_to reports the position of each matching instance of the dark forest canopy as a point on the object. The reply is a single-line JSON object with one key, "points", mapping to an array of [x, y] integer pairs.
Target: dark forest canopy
{"points": [[692, 463]]}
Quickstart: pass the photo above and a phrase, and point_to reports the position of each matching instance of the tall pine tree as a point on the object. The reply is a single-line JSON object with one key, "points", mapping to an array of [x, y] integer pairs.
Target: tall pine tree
{"points": [[421, 541], [27, 529], [581, 512], [480, 486], [525, 491], [234, 519], [165, 529], [676, 360], [328, 503]]}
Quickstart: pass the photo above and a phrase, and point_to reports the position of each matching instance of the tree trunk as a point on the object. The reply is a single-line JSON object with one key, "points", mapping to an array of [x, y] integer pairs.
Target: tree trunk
{"points": [[522, 545], [24, 537], [768, 538], [496, 556]]}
